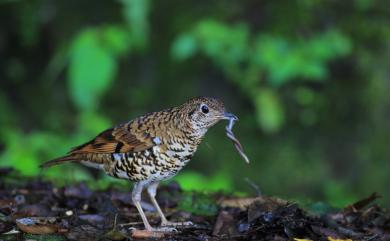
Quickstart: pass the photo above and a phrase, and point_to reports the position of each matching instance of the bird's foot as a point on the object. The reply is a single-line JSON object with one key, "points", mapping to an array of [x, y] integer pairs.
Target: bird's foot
{"points": [[176, 224]]}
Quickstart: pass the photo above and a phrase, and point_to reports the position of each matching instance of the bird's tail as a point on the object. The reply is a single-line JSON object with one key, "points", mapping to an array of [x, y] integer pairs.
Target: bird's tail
{"points": [[58, 161]]}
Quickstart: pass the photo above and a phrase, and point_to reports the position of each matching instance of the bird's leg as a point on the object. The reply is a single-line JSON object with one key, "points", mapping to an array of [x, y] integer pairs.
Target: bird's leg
{"points": [[136, 197], [152, 189]]}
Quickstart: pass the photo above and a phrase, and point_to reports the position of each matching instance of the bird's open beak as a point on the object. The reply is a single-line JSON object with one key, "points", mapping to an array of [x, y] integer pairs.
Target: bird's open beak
{"points": [[228, 116]]}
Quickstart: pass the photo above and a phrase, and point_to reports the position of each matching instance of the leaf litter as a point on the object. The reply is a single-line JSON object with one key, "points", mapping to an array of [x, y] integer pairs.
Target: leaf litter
{"points": [[34, 209]]}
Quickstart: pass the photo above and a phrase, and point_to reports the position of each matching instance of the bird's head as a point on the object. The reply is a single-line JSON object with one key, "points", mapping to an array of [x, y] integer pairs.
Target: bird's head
{"points": [[204, 112]]}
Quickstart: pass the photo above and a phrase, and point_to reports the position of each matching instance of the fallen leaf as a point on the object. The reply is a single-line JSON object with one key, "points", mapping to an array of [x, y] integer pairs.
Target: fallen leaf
{"points": [[241, 203], [225, 224], [332, 239], [264, 205], [84, 232], [92, 218], [146, 234], [38, 225], [326, 232], [5, 203], [33, 210], [244, 202], [362, 203]]}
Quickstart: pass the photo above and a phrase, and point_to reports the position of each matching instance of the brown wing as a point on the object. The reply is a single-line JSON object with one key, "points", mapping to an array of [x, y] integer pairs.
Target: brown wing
{"points": [[121, 139], [117, 140]]}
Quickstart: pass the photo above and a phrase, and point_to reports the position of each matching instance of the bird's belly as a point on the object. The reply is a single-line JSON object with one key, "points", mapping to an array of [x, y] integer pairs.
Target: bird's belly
{"points": [[158, 171], [167, 165], [164, 174], [152, 164]]}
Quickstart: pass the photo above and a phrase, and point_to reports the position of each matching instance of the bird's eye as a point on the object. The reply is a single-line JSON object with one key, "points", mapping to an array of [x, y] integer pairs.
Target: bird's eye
{"points": [[205, 109]]}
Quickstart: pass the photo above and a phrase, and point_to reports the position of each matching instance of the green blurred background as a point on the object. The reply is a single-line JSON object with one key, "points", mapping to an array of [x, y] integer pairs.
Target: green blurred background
{"points": [[309, 80]]}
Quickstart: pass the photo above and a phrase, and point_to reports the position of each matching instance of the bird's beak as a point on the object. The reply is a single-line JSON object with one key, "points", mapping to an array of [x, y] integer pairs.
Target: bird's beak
{"points": [[229, 116]]}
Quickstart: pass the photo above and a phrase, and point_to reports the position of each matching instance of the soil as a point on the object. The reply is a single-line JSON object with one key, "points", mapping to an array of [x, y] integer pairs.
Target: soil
{"points": [[32, 209]]}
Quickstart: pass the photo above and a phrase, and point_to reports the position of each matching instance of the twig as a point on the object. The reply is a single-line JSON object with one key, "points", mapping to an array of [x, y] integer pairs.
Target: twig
{"points": [[254, 186]]}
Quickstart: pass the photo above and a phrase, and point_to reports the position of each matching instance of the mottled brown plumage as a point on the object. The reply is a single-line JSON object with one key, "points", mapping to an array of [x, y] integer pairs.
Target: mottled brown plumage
{"points": [[150, 148]]}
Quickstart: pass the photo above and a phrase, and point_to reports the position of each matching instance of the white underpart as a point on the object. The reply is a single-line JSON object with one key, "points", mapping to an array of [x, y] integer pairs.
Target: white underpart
{"points": [[122, 174], [159, 176], [156, 150]]}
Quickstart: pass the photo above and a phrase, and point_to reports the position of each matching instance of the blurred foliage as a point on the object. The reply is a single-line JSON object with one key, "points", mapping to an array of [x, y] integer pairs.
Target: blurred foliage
{"points": [[308, 79], [218, 182], [281, 60], [199, 203]]}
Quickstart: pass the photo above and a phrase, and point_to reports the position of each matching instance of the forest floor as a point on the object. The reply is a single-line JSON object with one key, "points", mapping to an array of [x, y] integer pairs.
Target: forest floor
{"points": [[37, 210]]}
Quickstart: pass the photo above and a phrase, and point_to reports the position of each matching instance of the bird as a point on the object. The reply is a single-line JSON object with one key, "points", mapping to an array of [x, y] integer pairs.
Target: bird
{"points": [[150, 148]]}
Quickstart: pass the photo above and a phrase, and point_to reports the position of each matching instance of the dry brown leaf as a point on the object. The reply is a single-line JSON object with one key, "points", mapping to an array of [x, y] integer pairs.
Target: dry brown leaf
{"points": [[241, 203], [38, 225], [225, 224], [362, 203], [146, 234], [332, 239], [244, 202]]}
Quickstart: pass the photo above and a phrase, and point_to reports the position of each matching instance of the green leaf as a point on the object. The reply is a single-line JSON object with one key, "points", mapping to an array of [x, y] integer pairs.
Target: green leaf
{"points": [[91, 123], [285, 60], [304, 96], [136, 14], [225, 44], [199, 203], [216, 183], [184, 47], [91, 71], [338, 193], [269, 111], [117, 40]]}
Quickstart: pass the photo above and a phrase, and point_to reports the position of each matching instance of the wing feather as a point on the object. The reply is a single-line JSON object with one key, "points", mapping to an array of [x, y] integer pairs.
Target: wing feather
{"points": [[124, 138], [120, 139]]}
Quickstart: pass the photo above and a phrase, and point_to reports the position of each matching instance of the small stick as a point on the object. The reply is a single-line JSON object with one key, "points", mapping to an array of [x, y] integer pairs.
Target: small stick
{"points": [[146, 234], [236, 142], [254, 186]]}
